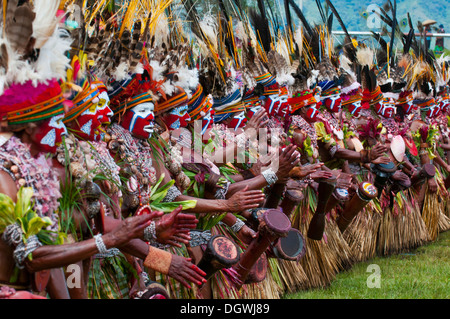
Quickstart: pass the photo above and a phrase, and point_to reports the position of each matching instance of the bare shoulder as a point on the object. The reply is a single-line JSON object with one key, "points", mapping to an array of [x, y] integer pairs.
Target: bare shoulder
{"points": [[8, 185]]}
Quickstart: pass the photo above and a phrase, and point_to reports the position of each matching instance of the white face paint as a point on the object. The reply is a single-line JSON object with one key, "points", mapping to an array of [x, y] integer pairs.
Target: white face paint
{"points": [[143, 111]]}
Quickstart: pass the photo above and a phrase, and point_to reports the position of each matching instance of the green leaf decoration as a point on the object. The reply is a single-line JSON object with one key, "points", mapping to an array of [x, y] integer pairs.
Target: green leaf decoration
{"points": [[171, 206]]}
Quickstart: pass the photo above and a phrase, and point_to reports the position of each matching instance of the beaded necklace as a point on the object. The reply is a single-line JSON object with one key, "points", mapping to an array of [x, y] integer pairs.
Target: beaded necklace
{"points": [[136, 155], [333, 123], [37, 173], [301, 123]]}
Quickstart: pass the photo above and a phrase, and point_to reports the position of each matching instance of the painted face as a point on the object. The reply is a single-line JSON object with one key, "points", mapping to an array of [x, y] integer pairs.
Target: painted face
{"points": [[386, 110], [277, 105], [444, 105], [433, 110], [311, 112], [238, 121], [178, 117], [253, 110], [407, 107], [355, 108], [87, 124], [208, 120], [332, 102], [139, 120], [49, 134], [103, 111]]}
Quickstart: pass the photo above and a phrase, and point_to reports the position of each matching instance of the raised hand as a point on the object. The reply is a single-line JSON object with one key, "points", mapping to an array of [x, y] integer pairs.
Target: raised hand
{"points": [[130, 228], [378, 154], [258, 120], [173, 228], [301, 172], [321, 175], [183, 270], [288, 159], [245, 199]]}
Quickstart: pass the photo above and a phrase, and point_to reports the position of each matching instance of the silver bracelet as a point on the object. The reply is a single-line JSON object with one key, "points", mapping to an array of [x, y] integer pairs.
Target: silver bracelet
{"points": [[270, 176], [23, 250], [222, 192], [100, 244], [150, 232], [237, 225], [12, 235], [172, 193]]}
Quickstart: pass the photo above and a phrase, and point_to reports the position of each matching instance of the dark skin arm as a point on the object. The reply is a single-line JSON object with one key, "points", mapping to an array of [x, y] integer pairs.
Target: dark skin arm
{"points": [[246, 234], [377, 154], [53, 256], [439, 161], [46, 257], [288, 160]]}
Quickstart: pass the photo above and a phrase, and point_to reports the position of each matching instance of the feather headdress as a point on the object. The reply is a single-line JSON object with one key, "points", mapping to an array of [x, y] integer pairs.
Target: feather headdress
{"points": [[32, 60]]}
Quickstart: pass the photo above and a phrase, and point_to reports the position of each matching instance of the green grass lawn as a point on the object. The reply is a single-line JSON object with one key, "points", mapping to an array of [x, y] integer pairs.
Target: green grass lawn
{"points": [[420, 274]]}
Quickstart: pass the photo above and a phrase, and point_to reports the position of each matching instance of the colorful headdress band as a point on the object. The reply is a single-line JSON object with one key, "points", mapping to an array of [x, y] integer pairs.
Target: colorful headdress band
{"points": [[198, 103], [352, 97], [25, 103], [266, 79], [101, 87], [330, 92], [134, 101], [388, 100], [197, 99], [251, 101], [326, 85], [181, 98], [228, 101], [405, 97], [444, 95], [82, 101], [301, 99], [425, 105]]}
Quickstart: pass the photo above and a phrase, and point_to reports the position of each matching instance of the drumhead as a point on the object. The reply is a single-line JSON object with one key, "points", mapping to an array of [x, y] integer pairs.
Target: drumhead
{"points": [[224, 250], [291, 247], [277, 221]]}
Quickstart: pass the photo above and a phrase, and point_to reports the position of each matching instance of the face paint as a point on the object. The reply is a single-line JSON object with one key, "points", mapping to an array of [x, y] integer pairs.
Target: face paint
{"points": [[433, 111], [177, 118], [386, 110], [355, 108], [311, 113], [103, 111], [238, 121], [49, 134], [444, 106], [276, 105], [333, 102], [139, 120], [87, 124], [407, 107], [208, 120]]}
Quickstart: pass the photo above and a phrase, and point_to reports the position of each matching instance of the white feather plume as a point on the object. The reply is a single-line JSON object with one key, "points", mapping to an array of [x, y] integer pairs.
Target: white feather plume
{"points": [[158, 70], [209, 27], [298, 38], [45, 21], [53, 62], [121, 72], [187, 79], [161, 30], [365, 56]]}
